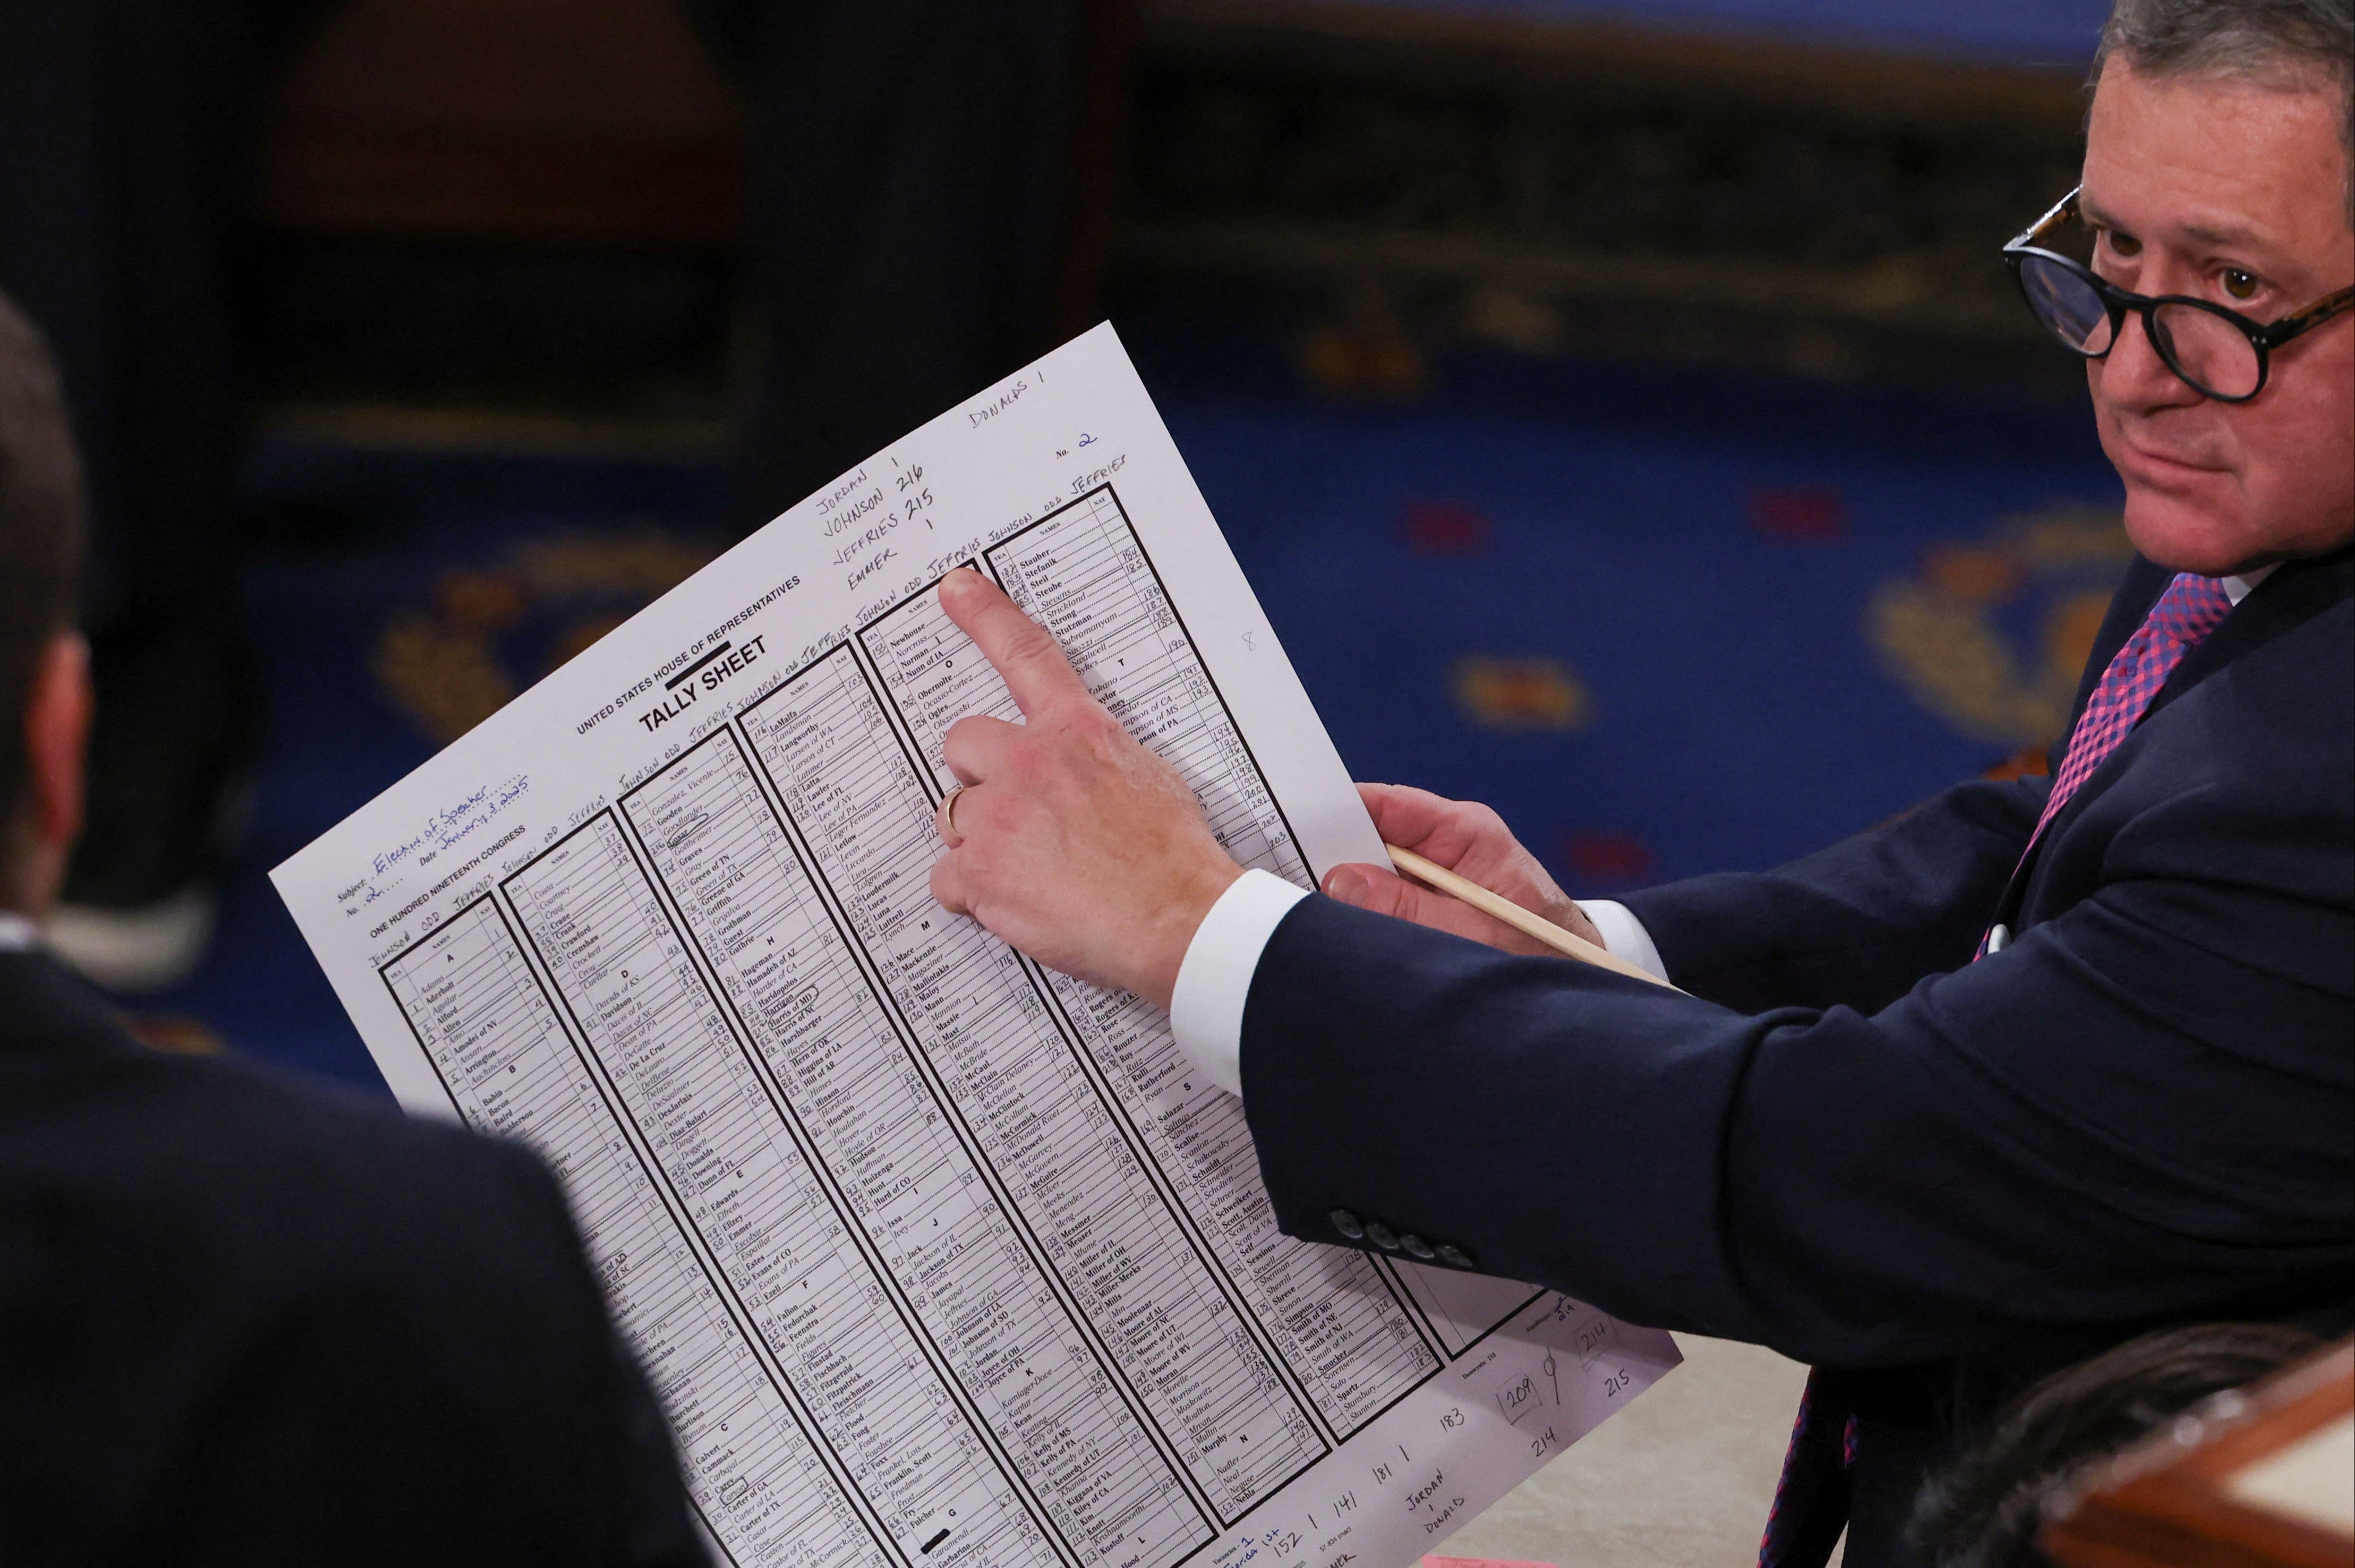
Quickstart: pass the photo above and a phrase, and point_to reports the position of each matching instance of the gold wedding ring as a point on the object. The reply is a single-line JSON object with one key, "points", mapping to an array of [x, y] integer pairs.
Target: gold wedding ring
{"points": [[949, 834]]}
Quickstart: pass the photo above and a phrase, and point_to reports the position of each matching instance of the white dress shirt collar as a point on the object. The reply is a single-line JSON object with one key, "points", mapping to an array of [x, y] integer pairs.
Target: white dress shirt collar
{"points": [[2237, 588]]}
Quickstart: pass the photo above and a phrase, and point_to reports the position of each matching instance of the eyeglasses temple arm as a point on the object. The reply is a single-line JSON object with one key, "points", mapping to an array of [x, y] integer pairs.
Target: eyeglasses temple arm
{"points": [[2314, 315], [2035, 231]]}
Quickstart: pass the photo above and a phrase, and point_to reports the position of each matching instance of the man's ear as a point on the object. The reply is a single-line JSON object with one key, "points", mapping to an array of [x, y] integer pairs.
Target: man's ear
{"points": [[57, 732]]}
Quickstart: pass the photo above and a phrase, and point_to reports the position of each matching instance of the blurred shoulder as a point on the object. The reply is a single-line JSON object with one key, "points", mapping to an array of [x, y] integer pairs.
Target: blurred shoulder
{"points": [[243, 1310], [240, 1172]]}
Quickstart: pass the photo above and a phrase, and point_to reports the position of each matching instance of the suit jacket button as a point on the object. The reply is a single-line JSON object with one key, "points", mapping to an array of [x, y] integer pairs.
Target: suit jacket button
{"points": [[1454, 1257], [1417, 1247], [1347, 1224], [1382, 1235]]}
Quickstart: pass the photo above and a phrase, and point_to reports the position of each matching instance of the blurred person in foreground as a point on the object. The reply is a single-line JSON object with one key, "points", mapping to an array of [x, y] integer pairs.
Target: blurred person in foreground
{"points": [[243, 1321], [1985, 1509], [2043, 1066]]}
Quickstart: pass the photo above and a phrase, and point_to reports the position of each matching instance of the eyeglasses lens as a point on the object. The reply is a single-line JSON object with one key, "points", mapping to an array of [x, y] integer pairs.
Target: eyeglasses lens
{"points": [[2209, 351], [2065, 303]]}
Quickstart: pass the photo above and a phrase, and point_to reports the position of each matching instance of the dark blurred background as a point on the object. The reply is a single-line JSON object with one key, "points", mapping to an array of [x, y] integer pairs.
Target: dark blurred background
{"points": [[1651, 363]]}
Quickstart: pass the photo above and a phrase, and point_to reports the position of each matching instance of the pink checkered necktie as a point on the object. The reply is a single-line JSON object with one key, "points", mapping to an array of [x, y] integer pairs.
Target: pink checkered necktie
{"points": [[2187, 611]]}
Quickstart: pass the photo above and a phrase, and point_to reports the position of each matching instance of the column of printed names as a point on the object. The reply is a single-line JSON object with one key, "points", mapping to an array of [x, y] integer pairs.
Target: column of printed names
{"points": [[1080, 572], [849, 789], [495, 1042], [753, 1197], [862, 1104]]}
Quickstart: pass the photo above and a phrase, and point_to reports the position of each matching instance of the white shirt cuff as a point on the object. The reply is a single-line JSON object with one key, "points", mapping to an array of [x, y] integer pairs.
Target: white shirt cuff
{"points": [[1623, 936], [1206, 1008], [18, 935]]}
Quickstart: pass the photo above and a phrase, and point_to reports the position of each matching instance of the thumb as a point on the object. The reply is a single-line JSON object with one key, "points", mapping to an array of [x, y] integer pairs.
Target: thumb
{"points": [[1383, 892], [1365, 887]]}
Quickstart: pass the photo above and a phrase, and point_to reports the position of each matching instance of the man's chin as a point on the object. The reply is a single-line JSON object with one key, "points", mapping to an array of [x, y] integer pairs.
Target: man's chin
{"points": [[2189, 534]]}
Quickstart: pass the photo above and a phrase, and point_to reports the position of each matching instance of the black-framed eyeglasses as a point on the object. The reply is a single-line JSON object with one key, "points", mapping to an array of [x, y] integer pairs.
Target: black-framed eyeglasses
{"points": [[2221, 353]]}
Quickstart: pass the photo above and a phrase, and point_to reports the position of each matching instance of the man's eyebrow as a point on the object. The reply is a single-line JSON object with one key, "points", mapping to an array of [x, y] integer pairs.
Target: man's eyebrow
{"points": [[2227, 236], [2230, 237], [2093, 214]]}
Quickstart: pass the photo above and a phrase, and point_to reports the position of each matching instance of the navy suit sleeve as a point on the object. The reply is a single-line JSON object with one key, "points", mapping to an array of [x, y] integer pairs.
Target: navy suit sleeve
{"points": [[2090, 1126], [1856, 924]]}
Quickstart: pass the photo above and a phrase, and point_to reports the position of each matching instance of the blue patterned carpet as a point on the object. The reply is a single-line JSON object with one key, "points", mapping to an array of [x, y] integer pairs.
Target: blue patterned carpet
{"points": [[1666, 623], [2029, 32]]}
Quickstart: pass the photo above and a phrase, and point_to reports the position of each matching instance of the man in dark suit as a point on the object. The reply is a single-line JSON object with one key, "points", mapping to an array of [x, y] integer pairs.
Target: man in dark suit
{"points": [[2040, 1066], [242, 1320]]}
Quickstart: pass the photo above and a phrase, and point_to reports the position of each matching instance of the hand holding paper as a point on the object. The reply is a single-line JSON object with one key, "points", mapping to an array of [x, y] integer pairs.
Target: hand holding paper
{"points": [[1470, 839], [1082, 849]]}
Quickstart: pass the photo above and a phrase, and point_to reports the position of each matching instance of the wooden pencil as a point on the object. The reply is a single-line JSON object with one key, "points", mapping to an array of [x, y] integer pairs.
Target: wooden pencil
{"points": [[1513, 914]]}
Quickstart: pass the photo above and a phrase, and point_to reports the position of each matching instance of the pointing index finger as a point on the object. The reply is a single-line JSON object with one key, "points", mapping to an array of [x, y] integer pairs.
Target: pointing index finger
{"points": [[1025, 658]]}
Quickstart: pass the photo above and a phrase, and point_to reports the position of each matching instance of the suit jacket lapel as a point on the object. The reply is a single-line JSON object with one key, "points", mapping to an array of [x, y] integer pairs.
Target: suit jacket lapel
{"points": [[2293, 595]]}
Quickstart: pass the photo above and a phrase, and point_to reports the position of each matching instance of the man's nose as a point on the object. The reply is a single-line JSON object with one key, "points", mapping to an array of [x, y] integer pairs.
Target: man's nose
{"points": [[2136, 377]]}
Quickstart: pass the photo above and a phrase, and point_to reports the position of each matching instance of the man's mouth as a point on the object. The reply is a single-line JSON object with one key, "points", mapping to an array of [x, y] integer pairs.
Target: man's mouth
{"points": [[2163, 467]]}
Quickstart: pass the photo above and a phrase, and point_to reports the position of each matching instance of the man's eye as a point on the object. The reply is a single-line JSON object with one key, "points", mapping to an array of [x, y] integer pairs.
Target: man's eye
{"points": [[2122, 244], [2240, 284]]}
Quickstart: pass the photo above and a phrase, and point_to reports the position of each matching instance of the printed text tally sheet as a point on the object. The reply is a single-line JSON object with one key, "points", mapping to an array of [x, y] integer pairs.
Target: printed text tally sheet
{"points": [[934, 1256]]}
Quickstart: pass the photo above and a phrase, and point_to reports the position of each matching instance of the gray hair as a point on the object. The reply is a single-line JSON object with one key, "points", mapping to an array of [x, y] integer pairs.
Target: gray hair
{"points": [[2265, 39]]}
